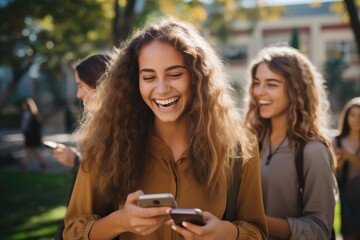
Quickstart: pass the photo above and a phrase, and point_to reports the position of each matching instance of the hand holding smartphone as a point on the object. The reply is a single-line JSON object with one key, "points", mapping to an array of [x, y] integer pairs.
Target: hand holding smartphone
{"points": [[192, 215], [157, 200]]}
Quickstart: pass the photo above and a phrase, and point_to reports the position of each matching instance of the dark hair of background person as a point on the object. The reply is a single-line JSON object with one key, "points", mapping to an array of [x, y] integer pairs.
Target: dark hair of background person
{"points": [[343, 126], [91, 68]]}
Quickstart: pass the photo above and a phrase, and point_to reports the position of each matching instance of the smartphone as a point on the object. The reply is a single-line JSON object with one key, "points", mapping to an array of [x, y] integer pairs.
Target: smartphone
{"points": [[50, 144], [192, 215], [157, 200]]}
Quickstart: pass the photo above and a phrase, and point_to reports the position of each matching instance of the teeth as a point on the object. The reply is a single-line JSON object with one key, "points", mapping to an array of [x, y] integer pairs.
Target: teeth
{"points": [[166, 101], [264, 102]]}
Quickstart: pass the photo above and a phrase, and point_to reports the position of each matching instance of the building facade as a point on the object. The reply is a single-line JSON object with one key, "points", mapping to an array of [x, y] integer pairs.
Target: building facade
{"points": [[321, 35]]}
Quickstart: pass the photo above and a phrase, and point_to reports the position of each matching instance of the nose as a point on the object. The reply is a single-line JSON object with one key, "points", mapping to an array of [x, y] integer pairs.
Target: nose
{"points": [[259, 89], [79, 94], [162, 85]]}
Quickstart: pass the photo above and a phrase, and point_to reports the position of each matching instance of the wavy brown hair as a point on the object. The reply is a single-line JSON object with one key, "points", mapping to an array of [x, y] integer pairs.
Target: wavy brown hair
{"points": [[308, 113], [114, 137]]}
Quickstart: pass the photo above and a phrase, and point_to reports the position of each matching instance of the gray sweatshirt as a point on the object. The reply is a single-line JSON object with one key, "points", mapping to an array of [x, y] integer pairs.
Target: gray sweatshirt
{"points": [[281, 193]]}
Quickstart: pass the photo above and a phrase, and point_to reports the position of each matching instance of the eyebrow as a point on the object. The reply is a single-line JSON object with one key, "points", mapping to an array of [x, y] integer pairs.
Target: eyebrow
{"points": [[167, 69], [269, 80]]}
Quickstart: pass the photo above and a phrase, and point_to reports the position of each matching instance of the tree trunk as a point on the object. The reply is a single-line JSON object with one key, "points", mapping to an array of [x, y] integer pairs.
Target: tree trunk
{"points": [[10, 89], [122, 25], [354, 21], [115, 23]]}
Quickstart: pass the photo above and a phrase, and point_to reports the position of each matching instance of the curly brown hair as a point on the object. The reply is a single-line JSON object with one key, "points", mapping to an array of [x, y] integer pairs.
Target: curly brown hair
{"points": [[114, 137], [308, 117]]}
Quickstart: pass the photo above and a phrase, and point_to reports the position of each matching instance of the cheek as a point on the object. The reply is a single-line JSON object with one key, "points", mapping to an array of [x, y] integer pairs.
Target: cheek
{"points": [[286, 102], [142, 89], [145, 91], [185, 86], [254, 91]]}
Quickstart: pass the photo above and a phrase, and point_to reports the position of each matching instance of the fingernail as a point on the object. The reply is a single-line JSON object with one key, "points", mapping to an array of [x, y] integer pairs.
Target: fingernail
{"points": [[184, 224], [173, 227]]}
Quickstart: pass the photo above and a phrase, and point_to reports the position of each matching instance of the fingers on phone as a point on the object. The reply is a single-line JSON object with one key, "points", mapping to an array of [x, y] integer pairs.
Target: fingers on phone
{"points": [[134, 196], [187, 229], [155, 211]]}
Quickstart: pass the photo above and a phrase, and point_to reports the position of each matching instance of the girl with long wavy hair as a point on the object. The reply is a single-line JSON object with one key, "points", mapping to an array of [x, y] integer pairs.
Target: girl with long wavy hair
{"points": [[287, 106], [166, 121], [347, 149]]}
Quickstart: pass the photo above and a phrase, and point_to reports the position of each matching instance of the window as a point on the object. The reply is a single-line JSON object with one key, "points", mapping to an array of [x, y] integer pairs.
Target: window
{"points": [[235, 53], [345, 50]]}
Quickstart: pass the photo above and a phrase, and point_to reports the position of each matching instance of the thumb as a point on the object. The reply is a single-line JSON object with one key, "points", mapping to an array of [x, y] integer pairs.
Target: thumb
{"points": [[134, 196]]}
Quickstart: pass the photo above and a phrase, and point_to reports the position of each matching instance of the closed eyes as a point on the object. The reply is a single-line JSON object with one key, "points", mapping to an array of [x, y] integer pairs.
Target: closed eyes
{"points": [[168, 76]]}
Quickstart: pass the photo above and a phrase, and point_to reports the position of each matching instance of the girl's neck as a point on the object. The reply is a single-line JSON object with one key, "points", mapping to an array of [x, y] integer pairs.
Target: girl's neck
{"points": [[175, 136], [353, 136], [278, 129]]}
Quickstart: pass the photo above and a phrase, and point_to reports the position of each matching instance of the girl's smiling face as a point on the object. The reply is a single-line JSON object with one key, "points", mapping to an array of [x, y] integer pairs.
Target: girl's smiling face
{"points": [[164, 81], [269, 89], [354, 118], [83, 91]]}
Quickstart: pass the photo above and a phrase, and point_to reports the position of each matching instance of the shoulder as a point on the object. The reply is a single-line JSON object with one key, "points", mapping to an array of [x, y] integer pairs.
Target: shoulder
{"points": [[315, 146], [316, 153], [251, 159], [249, 146]]}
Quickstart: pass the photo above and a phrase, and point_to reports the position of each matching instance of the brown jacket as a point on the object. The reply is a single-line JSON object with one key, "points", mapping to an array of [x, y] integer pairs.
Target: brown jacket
{"points": [[163, 175]]}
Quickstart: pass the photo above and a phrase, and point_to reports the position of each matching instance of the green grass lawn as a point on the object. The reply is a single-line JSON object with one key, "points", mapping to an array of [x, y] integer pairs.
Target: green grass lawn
{"points": [[32, 204], [337, 220]]}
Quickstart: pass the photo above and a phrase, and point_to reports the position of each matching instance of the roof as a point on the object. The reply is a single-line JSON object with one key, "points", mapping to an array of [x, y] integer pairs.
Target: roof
{"points": [[303, 10]]}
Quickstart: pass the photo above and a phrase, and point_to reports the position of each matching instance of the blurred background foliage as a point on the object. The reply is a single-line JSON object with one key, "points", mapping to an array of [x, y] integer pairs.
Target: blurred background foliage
{"points": [[47, 36]]}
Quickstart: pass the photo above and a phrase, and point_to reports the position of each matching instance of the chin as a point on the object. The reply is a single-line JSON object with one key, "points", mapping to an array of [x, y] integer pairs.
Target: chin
{"points": [[266, 116]]}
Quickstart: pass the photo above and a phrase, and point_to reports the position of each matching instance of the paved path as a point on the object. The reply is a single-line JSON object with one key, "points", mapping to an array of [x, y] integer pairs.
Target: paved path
{"points": [[11, 143]]}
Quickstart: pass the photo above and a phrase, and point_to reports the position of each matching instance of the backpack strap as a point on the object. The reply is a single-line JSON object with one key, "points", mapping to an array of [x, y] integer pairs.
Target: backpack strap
{"points": [[299, 163], [233, 190]]}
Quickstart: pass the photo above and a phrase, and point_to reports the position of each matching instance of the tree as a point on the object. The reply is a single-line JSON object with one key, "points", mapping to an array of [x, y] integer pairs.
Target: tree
{"points": [[295, 41], [52, 31], [349, 13], [122, 23], [354, 21]]}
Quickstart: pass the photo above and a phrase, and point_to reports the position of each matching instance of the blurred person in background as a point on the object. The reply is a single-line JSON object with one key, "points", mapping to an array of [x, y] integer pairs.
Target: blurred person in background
{"points": [[88, 73], [347, 149], [31, 128]]}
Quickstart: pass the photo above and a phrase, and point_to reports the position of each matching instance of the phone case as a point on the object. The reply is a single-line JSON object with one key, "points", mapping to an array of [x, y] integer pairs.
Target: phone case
{"points": [[157, 200], [192, 215]]}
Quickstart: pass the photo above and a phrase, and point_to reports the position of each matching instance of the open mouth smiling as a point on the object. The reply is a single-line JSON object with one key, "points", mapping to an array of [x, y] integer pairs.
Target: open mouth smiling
{"points": [[166, 103], [264, 102]]}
